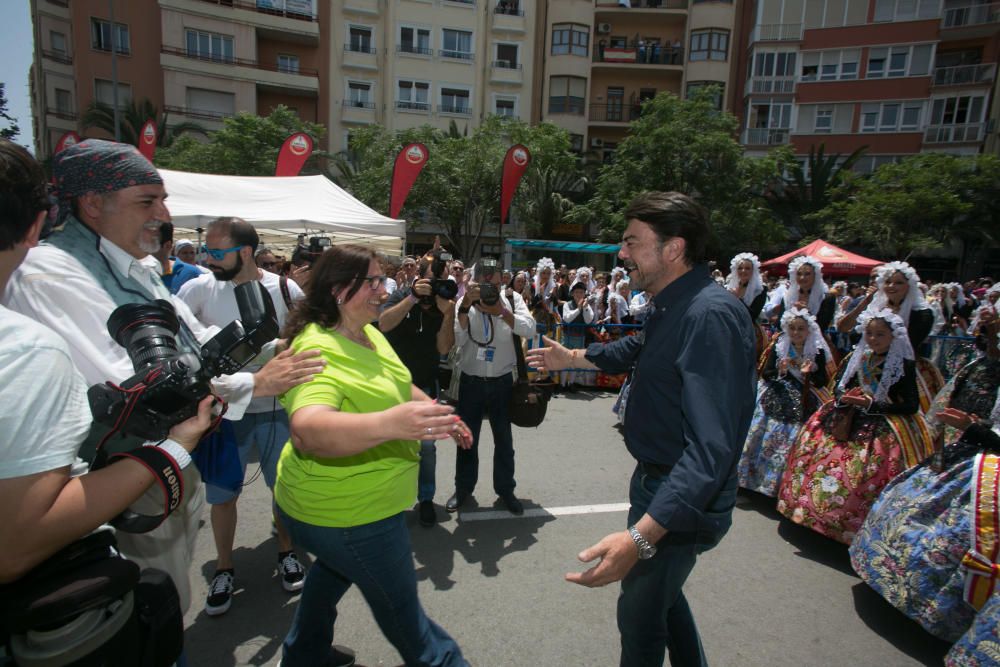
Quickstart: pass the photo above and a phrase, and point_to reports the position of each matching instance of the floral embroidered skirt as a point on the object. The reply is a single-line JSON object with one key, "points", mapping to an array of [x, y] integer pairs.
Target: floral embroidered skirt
{"points": [[911, 545], [980, 646], [830, 485], [772, 433]]}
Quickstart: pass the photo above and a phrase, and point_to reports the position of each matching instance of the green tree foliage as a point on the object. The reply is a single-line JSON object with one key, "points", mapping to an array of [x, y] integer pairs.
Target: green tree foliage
{"points": [[792, 198], [459, 188], [131, 119], [247, 145], [690, 147], [919, 203], [12, 130]]}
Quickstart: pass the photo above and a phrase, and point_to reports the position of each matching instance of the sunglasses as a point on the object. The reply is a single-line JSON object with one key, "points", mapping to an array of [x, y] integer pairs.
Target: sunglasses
{"points": [[215, 253], [374, 282]]}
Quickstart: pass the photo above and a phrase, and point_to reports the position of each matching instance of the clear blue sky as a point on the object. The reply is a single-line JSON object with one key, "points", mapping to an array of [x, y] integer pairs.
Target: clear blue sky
{"points": [[15, 59]]}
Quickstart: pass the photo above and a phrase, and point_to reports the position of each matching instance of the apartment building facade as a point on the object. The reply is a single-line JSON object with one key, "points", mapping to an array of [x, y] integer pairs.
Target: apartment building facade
{"points": [[603, 58], [898, 76], [341, 63]]}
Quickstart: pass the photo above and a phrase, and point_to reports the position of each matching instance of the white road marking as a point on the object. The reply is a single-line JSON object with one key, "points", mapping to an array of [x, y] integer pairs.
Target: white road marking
{"points": [[542, 512]]}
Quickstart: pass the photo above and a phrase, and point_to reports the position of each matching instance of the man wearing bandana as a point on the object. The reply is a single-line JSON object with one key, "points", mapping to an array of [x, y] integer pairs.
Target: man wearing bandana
{"points": [[112, 202]]}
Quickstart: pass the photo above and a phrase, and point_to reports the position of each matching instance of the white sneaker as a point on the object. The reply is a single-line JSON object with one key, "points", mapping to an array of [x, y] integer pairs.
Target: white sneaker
{"points": [[220, 593]]}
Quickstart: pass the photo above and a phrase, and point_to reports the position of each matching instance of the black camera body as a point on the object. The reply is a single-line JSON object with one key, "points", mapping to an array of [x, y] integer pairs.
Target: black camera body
{"points": [[489, 294], [170, 382], [445, 288]]}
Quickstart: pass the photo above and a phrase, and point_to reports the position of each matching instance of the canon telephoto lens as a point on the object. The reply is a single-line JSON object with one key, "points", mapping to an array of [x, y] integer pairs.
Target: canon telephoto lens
{"points": [[146, 330]]}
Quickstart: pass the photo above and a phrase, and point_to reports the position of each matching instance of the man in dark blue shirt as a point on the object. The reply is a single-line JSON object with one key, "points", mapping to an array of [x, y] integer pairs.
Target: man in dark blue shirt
{"points": [[690, 400]]}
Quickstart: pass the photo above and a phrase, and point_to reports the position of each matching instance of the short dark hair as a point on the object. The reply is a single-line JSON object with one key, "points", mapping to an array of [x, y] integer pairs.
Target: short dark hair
{"points": [[675, 215], [239, 230], [432, 259], [166, 232], [23, 193], [339, 266]]}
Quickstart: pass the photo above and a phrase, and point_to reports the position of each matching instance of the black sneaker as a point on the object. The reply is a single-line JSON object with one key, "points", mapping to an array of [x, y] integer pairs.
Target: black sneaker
{"points": [[220, 593], [338, 658], [292, 573], [513, 505], [428, 517]]}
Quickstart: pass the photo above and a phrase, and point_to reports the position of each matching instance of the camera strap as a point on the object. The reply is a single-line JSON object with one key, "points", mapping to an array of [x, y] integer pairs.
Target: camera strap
{"points": [[168, 476], [489, 330]]}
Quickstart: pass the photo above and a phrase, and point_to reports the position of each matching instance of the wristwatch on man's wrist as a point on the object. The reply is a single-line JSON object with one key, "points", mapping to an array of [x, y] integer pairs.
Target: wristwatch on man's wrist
{"points": [[646, 550]]}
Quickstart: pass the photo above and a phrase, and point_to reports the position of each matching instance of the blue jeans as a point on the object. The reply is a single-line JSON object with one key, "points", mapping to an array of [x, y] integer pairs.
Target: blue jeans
{"points": [[269, 432], [376, 557], [478, 396], [653, 614], [426, 481]]}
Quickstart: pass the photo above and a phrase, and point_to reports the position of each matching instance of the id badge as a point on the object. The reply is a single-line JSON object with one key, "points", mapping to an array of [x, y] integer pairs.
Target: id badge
{"points": [[485, 354]]}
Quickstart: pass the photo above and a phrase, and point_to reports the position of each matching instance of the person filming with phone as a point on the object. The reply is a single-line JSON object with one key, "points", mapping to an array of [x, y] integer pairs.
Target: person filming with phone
{"points": [[486, 320]]}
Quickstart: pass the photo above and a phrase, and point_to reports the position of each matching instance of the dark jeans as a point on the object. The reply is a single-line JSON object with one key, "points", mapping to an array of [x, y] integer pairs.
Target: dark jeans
{"points": [[476, 397], [376, 557], [653, 614]]}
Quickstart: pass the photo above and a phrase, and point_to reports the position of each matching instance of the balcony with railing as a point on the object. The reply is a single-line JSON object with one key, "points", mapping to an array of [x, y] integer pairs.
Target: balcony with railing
{"points": [[965, 75], [58, 56], [617, 5], [958, 15], [504, 71], [357, 111], [270, 74], [456, 55], [360, 55], [406, 105], [269, 7], [198, 114], [414, 50], [65, 114], [509, 16], [455, 109], [272, 18], [765, 136], [954, 134], [776, 32], [636, 55], [770, 85], [613, 113]]}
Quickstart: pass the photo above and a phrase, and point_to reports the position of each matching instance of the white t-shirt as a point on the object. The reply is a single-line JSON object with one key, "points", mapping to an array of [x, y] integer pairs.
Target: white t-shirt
{"points": [[44, 414], [213, 302]]}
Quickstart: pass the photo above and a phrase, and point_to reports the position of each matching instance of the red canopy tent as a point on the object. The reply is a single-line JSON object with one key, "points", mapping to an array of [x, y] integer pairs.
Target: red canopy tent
{"points": [[836, 261]]}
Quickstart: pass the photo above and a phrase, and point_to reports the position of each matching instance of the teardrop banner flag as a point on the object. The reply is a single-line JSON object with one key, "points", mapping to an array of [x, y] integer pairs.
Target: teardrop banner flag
{"points": [[410, 160], [67, 140], [293, 154], [514, 165], [147, 139]]}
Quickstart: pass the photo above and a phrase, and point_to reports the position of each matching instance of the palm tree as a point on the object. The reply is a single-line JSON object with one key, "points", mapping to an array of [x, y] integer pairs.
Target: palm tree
{"points": [[796, 196], [548, 194], [132, 117]]}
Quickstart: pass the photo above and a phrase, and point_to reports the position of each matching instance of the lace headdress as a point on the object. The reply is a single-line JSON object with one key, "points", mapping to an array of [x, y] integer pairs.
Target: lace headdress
{"points": [[755, 286], [914, 296], [813, 344], [899, 350], [818, 290], [545, 263]]}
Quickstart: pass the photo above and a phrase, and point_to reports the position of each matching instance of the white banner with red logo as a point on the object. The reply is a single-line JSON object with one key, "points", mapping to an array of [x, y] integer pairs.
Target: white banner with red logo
{"points": [[65, 141]]}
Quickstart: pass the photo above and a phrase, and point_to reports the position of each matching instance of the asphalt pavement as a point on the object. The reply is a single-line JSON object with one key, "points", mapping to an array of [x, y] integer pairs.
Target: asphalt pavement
{"points": [[771, 594]]}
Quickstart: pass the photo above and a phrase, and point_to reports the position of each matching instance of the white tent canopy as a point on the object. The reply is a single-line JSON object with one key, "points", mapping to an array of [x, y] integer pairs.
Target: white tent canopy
{"points": [[280, 208]]}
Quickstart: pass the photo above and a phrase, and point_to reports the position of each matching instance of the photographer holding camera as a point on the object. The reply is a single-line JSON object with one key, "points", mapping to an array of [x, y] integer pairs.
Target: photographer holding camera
{"points": [[44, 416], [486, 320], [418, 322], [112, 201]]}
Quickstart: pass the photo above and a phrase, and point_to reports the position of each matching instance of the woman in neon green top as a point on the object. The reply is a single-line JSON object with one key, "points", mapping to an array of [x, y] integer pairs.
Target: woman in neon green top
{"points": [[350, 468]]}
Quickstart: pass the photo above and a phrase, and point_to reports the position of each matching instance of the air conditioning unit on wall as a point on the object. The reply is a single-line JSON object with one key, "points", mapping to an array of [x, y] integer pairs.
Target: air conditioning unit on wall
{"points": [[604, 28], [597, 142]]}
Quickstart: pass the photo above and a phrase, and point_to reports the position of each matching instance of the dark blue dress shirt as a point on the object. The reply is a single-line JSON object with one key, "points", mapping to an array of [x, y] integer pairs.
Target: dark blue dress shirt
{"points": [[692, 394]]}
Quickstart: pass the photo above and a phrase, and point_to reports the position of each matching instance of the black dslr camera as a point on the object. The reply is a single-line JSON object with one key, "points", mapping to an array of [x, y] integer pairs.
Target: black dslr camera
{"points": [[444, 287], [169, 382], [489, 293]]}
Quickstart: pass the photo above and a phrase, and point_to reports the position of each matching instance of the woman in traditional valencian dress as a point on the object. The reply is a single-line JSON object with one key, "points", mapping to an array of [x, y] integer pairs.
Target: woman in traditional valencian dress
{"points": [[745, 283], [850, 448], [899, 291], [807, 290], [793, 374], [914, 546]]}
